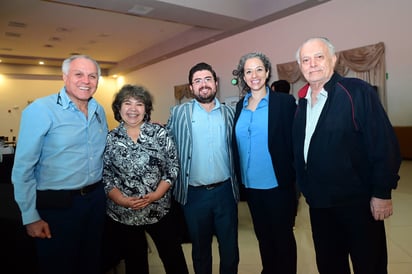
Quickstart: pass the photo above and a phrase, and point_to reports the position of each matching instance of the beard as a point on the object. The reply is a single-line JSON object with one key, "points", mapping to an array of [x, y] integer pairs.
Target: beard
{"points": [[204, 99]]}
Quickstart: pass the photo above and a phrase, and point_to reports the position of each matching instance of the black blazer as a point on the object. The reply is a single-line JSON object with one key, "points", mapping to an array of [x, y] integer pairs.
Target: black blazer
{"points": [[281, 112]]}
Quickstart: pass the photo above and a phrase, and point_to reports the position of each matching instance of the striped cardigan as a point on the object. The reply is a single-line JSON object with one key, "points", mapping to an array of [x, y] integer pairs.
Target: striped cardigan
{"points": [[180, 127]]}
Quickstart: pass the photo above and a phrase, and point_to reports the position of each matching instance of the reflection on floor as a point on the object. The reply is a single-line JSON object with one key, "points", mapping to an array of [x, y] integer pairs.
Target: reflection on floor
{"points": [[398, 227]]}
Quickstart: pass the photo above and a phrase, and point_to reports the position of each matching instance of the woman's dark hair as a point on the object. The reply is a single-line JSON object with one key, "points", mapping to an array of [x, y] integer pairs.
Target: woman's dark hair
{"points": [[199, 67], [239, 73], [135, 92]]}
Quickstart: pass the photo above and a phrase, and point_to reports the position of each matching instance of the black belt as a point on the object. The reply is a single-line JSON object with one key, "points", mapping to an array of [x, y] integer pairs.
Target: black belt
{"points": [[211, 186], [87, 189]]}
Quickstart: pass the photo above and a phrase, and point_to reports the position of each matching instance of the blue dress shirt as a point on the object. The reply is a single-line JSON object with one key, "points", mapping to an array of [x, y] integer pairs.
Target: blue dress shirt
{"points": [[252, 139], [210, 160], [58, 148]]}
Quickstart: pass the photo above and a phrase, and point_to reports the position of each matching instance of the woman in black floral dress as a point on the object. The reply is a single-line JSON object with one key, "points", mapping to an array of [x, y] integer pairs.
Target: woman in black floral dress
{"points": [[140, 167]]}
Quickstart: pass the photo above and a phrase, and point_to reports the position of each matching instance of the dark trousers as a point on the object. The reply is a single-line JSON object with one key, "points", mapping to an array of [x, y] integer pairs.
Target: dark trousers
{"points": [[211, 212], [341, 232], [129, 242], [273, 215], [75, 246]]}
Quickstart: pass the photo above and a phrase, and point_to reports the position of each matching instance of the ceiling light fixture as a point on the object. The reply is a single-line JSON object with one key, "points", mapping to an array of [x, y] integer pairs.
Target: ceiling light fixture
{"points": [[62, 29], [17, 24], [140, 10]]}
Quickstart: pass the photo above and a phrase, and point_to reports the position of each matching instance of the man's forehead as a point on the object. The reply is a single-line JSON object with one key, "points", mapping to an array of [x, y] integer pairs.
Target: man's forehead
{"points": [[82, 63], [83, 69]]}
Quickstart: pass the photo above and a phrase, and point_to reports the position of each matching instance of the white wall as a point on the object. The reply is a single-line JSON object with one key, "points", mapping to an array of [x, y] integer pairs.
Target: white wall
{"points": [[347, 23]]}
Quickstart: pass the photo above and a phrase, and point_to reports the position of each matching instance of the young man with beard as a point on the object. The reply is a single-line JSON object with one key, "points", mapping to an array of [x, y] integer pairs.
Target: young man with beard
{"points": [[205, 187]]}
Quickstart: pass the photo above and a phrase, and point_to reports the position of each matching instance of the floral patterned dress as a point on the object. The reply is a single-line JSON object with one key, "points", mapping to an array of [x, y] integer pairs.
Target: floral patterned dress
{"points": [[137, 168]]}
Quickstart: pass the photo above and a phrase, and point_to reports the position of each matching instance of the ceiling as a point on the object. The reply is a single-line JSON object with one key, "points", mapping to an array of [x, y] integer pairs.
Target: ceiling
{"points": [[125, 35]]}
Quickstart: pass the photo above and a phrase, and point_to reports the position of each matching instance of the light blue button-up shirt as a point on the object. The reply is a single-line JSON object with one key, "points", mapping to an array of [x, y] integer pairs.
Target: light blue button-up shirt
{"points": [[312, 116], [252, 139], [210, 160], [57, 148]]}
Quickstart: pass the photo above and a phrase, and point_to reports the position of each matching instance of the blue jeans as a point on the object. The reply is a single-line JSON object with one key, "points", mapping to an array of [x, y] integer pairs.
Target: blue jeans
{"points": [[211, 212]]}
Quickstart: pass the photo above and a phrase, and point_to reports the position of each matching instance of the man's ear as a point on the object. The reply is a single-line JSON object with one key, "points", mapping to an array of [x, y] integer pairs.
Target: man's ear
{"points": [[334, 59]]}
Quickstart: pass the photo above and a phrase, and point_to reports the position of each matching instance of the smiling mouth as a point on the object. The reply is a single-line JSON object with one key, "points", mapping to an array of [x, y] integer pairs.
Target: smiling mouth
{"points": [[315, 71]]}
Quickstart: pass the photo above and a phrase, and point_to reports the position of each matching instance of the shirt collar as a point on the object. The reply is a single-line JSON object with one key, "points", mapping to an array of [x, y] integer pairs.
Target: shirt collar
{"points": [[249, 94], [64, 100], [322, 93], [217, 104]]}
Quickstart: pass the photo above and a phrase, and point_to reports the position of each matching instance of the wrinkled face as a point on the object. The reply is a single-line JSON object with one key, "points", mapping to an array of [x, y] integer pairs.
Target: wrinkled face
{"points": [[203, 86], [316, 62], [82, 79], [132, 111], [255, 74]]}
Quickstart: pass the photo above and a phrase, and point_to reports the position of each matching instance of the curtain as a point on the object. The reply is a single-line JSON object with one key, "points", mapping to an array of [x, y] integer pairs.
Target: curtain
{"points": [[367, 63]]}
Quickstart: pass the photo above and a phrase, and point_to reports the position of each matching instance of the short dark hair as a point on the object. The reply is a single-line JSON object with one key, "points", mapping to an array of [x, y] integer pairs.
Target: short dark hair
{"points": [[136, 92], [280, 86], [199, 67]]}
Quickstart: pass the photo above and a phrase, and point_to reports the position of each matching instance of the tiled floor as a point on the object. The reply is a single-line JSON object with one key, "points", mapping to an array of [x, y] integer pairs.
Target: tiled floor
{"points": [[399, 234]]}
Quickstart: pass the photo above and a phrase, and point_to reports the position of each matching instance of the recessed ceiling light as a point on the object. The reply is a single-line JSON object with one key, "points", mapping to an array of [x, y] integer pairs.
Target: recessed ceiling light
{"points": [[55, 39], [41, 63], [12, 34], [17, 24], [140, 10], [62, 29]]}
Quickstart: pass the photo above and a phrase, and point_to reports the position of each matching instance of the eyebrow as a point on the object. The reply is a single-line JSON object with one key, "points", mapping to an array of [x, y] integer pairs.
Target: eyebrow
{"points": [[80, 71], [203, 77], [316, 53], [255, 67]]}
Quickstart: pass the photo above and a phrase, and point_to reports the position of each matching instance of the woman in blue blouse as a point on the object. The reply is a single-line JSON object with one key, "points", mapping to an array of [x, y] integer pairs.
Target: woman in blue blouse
{"points": [[264, 162], [140, 167]]}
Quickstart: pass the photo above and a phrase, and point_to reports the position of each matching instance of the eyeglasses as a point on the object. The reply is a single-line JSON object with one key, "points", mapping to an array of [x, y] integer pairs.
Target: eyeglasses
{"points": [[199, 81]]}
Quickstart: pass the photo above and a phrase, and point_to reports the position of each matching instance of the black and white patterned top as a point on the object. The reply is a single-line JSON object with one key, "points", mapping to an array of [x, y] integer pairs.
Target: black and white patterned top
{"points": [[137, 168]]}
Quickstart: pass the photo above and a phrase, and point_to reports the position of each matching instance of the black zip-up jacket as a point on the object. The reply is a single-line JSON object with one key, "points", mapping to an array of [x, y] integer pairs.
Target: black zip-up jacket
{"points": [[353, 154]]}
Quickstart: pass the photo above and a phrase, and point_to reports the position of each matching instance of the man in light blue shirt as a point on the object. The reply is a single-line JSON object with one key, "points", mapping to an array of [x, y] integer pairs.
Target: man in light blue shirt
{"points": [[58, 169], [206, 186]]}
